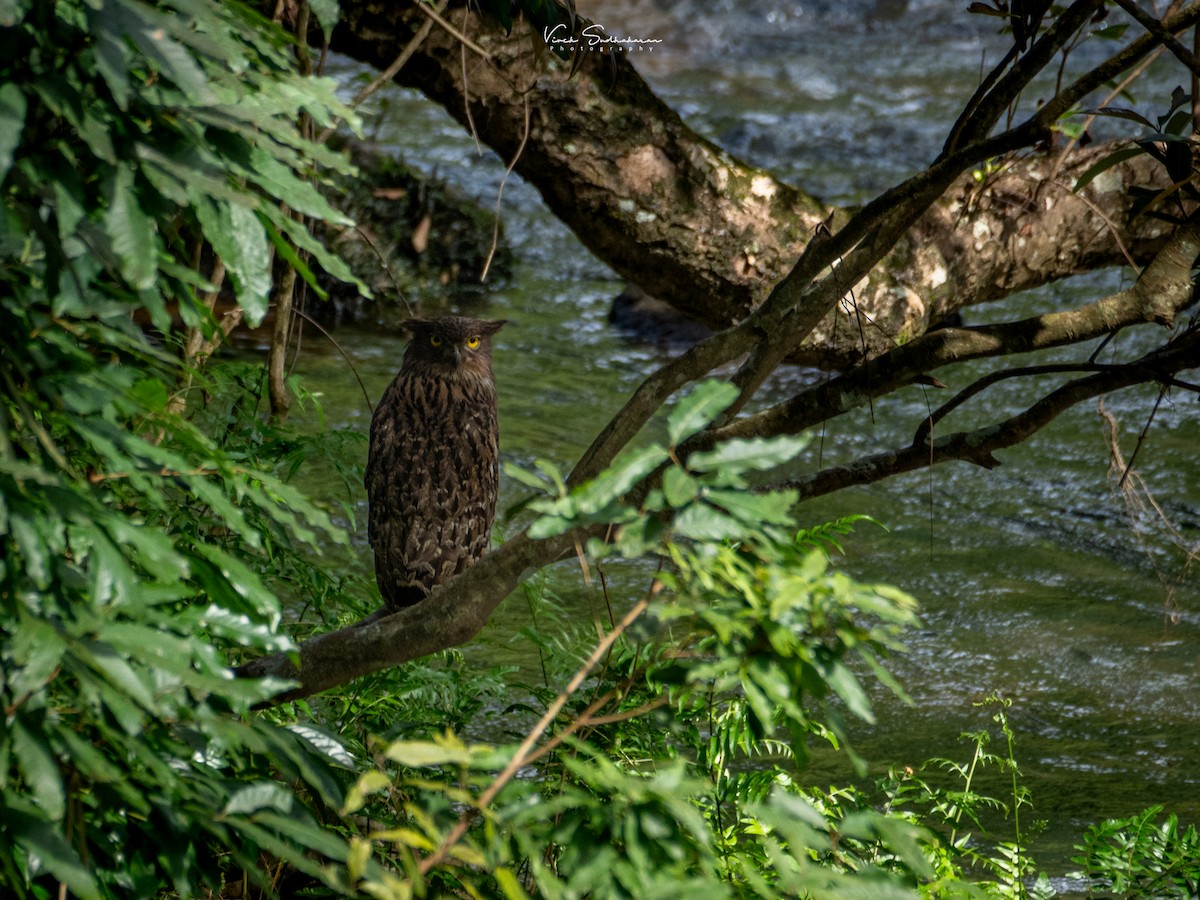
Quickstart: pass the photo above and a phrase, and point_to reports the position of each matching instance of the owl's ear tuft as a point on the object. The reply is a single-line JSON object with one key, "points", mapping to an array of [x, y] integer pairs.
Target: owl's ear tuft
{"points": [[491, 326], [411, 326]]}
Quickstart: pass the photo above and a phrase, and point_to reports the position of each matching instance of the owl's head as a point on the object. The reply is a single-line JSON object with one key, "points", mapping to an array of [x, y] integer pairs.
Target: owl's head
{"points": [[451, 345]]}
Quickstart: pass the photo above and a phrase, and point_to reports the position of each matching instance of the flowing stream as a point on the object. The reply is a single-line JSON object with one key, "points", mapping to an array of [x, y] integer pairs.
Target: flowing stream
{"points": [[1031, 578]]}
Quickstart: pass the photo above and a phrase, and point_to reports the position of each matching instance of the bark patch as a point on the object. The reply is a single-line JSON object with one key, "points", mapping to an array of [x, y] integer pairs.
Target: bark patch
{"points": [[645, 167]]}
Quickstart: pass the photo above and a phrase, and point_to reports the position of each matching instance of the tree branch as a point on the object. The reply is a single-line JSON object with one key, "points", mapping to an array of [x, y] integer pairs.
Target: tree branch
{"points": [[451, 615], [979, 445], [676, 214], [984, 109], [1164, 289], [1161, 34], [716, 237]]}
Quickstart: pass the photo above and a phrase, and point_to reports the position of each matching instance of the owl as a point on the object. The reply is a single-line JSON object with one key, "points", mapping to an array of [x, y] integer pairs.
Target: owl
{"points": [[433, 466]]}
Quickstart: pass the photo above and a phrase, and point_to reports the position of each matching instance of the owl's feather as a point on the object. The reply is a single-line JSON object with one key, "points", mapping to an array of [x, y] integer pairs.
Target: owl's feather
{"points": [[433, 470]]}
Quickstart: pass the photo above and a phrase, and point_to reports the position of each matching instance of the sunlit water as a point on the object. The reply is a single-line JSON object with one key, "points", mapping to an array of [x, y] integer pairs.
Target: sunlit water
{"points": [[1032, 581]]}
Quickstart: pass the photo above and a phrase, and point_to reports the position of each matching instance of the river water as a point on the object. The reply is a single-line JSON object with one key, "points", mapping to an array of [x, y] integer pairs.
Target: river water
{"points": [[1032, 579]]}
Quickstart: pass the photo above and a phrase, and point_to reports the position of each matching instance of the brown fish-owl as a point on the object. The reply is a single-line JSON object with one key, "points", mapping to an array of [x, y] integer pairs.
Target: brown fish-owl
{"points": [[433, 469]]}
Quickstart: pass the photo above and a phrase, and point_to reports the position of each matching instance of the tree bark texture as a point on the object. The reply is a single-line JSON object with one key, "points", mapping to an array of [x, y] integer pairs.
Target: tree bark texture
{"points": [[690, 224]]}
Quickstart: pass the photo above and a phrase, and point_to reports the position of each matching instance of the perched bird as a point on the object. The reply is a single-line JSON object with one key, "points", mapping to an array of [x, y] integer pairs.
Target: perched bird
{"points": [[433, 468]]}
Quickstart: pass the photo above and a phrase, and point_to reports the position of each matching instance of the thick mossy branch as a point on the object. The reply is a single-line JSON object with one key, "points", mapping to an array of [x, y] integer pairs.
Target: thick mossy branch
{"points": [[450, 616], [715, 237]]}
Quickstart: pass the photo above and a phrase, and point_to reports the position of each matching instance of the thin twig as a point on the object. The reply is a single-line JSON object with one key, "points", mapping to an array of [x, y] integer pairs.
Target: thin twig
{"points": [[453, 32], [1139, 502], [1156, 28], [586, 720], [521, 756], [317, 325], [500, 193], [1137, 448], [462, 56], [1134, 74], [1112, 227]]}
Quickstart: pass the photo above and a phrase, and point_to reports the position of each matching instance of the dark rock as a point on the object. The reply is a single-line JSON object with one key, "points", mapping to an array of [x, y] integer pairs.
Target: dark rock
{"points": [[640, 317]]}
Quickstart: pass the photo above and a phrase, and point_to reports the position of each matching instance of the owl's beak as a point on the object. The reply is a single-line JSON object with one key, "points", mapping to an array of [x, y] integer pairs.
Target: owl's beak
{"points": [[458, 352]]}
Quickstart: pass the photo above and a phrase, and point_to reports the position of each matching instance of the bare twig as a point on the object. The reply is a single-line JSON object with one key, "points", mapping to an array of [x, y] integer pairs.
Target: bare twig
{"points": [[1112, 227], [1142, 507], [452, 31], [500, 194], [340, 349], [1156, 28], [466, 83], [1141, 441], [521, 756]]}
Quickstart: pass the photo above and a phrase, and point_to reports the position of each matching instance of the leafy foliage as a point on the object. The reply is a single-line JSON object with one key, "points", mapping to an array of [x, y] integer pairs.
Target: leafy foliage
{"points": [[744, 657], [1167, 140], [1144, 855], [137, 551], [150, 538]]}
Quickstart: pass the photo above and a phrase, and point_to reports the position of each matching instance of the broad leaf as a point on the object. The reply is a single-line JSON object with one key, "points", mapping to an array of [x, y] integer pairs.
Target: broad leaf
{"points": [[702, 406], [742, 454], [12, 122]]}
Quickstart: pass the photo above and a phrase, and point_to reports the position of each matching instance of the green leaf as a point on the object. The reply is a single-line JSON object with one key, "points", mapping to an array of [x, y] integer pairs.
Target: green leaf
{"points": [[241, 629], [1111, 32], [614, 482], [679, 488], [37, 649], [1113, 159], [150, 31], [40, 839], [36, 762], [131, 231], [550, 470], [244, 583], [697, 409], [112, 56], [742, 454], [550, 526], [238, 237], [12, 123], [70, 201], [263, 795], [416, 754], [122, 675], [899, 836], [333, 264], [369, 782], [844, 683], [325, 743], [281, 183], [529, 479], [703, 523], [774, 508], [326, 13], [289, 255]]}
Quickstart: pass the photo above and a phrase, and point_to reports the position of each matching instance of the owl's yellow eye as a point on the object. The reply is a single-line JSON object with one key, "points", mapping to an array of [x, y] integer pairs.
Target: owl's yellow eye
{"points": [[435, 340], [472, 342]]}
